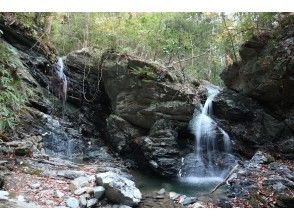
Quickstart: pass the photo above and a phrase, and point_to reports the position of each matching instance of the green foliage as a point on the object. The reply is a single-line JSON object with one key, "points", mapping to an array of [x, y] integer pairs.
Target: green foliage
{"points": [[145, 72], [199, 45], [12, 98]]}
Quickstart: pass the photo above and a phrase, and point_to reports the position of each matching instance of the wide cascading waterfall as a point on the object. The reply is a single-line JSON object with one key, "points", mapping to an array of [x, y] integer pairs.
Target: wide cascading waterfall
{"points": [[211, 158]]}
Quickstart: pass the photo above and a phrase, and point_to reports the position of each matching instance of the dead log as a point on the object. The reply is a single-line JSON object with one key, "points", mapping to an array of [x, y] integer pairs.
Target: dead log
{"points": [[225, 180]]}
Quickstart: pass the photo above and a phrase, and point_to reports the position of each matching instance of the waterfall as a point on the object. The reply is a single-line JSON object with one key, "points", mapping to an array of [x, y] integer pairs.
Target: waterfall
{"points": [[59, 68], [211, 157], [61, 82]]}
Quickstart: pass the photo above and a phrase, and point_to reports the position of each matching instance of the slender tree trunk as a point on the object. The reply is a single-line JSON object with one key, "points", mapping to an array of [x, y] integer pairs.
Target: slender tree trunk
{"points": [[230, 35]]}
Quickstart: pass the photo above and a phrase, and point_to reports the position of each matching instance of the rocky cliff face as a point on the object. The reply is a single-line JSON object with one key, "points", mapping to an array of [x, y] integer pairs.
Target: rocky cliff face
{"points": [[149, 107], [142, 111], [31, 61], [257, 107]]}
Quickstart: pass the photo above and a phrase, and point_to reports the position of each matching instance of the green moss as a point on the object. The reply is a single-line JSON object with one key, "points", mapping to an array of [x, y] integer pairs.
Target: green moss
{"points": [[12, 97], [145, 73]]}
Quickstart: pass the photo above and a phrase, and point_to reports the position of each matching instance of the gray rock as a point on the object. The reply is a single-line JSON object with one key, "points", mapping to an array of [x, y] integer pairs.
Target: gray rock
{"points": [[120, 206], [187, 200], [198, 205], [119, 189], [80, 182], [21, 198], [59, 194], [4, 195], [274, 179], [83, 201], [81, 191], [71, 174], [161, 191], [161, 149], [261, 158], [91, 202], [35, 185], [263, 82], [279, 187], [49, 202], [121, 133], [98, 192], [72, 202], [173, 195]]}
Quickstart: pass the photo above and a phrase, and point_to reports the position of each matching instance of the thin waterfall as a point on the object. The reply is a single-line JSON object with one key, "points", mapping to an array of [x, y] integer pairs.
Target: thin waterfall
{"points": [[61, 82], [212, 144]]}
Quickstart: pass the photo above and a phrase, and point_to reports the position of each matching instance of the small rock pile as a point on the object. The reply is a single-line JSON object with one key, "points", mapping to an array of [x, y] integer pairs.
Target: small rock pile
{"points": [[89, 191]]}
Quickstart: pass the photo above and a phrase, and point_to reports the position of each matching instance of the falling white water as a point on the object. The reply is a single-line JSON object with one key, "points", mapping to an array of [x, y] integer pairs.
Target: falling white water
{"points": [[60, 68], [60, 82], [210, 142]]}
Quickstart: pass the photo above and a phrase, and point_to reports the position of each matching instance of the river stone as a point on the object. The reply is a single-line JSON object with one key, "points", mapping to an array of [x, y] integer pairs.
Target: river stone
{"points": [[120, 206], [80, 191], [71, 174], [83, 201], [279, 187], [4, 195], [72, 202], [91, 202], [261, 158], [198, 205], [161, 191], [59, 194], [98, 192], [119, 189], [187, 200], [80, 182], [35, 185], [173, 195]]}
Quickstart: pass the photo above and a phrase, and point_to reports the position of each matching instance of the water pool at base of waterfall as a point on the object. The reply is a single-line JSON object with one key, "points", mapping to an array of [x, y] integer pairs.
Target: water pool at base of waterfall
{"points": [[189, 186]]}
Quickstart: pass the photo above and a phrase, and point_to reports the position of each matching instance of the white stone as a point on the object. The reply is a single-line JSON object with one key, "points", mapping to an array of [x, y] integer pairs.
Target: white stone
{"points": [[119, 189], [91, 202], [198, 205], [21, 198], [80, 191], [80, 182], [173, 195], [72, 202], [83, 201], [4, 195], [98, 192], [59, 194], [161, 191], [35, 185]]}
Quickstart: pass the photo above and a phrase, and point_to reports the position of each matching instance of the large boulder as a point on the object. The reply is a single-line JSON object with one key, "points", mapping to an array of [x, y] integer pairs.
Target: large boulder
{"points": [[141, 95], [266, 69], [249, 124], [119, 189]]}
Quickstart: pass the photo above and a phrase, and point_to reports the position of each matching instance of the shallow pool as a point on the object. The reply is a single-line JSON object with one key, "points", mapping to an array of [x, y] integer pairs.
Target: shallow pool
{"points": [[190, 186]]}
